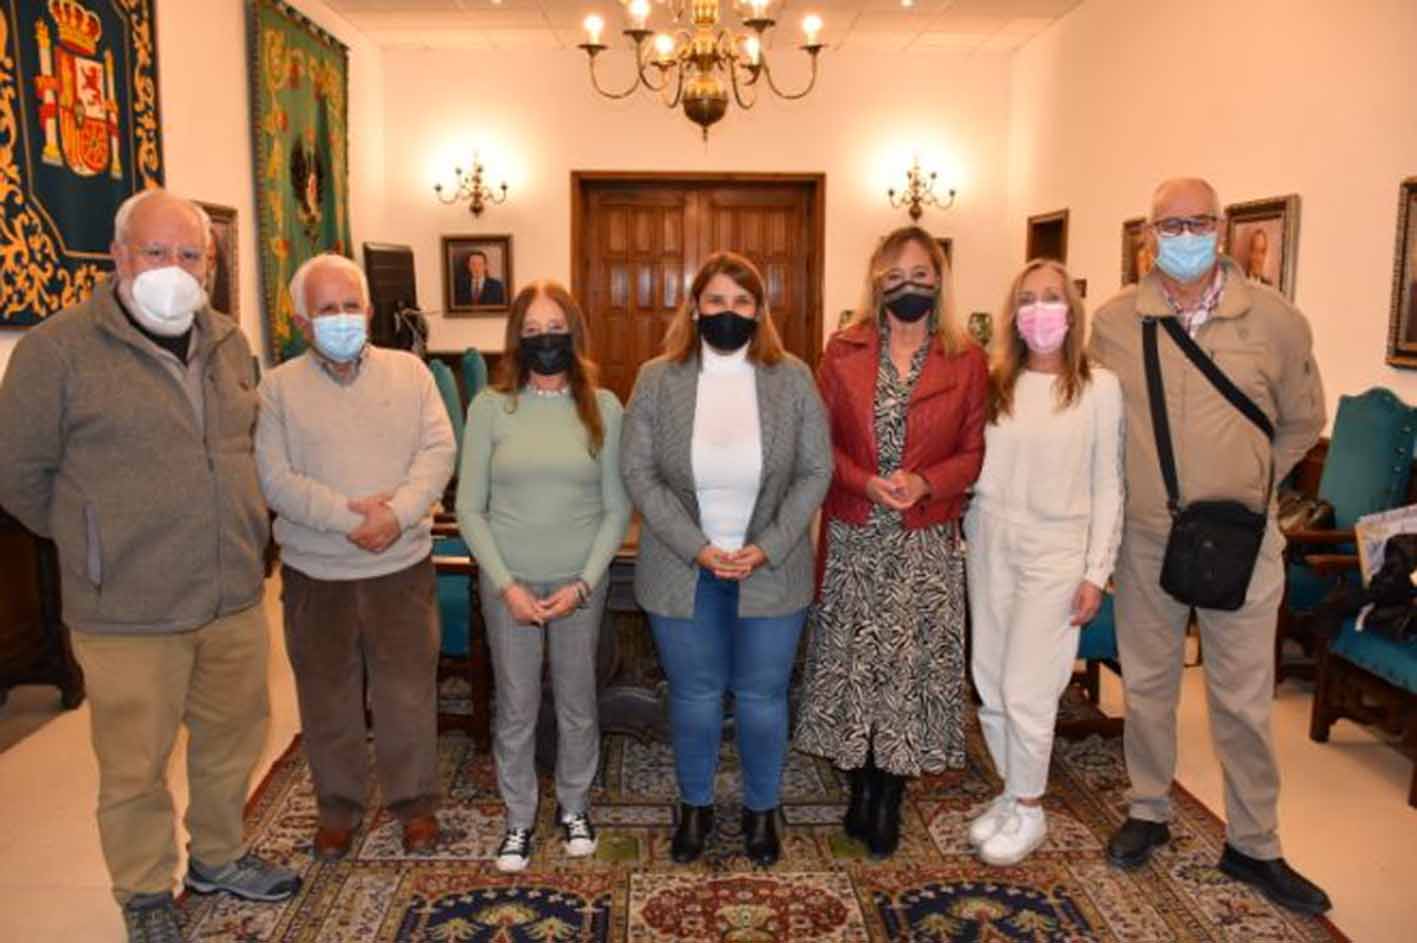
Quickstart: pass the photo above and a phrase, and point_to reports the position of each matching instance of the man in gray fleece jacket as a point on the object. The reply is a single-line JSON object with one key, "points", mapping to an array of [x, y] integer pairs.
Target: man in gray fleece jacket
{"points": [[127, 424]]}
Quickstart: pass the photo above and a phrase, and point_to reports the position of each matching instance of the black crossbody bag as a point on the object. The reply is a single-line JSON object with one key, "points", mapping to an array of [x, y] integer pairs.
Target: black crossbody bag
{"points": [[1213, 546]]}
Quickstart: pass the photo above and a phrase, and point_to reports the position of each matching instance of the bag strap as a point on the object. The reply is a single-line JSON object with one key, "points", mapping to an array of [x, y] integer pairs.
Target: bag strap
{"points": [[1217, 378], [1160, 423]]}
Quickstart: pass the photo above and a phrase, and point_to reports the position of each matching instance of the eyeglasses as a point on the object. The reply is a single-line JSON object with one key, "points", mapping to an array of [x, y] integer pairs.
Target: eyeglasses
{"points": [[155, 255], [1175, 225]]}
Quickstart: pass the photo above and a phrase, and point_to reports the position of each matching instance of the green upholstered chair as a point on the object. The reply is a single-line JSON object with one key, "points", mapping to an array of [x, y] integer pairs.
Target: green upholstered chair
{"points": [[474, 372], [1367, 469], [1368, 678], [448, 390], [1097, 646]]}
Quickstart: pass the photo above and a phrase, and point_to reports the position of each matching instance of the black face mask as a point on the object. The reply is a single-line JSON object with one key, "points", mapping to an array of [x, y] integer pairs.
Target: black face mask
{"points": [[911, 301], [726, 330], [547, 354]]}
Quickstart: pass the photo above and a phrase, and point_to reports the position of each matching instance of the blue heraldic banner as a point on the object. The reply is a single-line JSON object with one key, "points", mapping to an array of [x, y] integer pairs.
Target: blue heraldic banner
{"points": [[79, 134]]}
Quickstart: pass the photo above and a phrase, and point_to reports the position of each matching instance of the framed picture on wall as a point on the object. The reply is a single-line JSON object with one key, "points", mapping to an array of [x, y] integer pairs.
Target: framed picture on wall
{"points": [[477, 275], [1136, 250], [1262, 236], [947, 246], [1402, 322], [1048, 237], [223, 283]]}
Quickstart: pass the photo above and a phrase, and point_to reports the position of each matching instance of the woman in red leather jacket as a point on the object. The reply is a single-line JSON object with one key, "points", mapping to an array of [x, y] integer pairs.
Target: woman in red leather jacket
{"points": [[906, 392]]}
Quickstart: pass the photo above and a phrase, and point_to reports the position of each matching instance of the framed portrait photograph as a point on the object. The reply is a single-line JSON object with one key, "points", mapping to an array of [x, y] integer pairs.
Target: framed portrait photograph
{"points": [[1402, 322], [1136, 250], [947, 246], [1262, 236], [477, 275], [223, 285]]}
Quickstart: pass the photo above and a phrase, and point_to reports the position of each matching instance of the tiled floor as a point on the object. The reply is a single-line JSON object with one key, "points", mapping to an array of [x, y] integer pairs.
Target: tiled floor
{"points": [[1344, 814]]}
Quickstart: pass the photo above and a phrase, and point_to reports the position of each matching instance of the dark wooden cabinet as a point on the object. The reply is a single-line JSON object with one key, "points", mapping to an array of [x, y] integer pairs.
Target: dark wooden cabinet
{"points": [[34, 642]]}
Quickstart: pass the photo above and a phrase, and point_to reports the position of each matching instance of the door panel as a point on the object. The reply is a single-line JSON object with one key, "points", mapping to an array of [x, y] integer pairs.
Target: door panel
{"points": [[640, 242]]}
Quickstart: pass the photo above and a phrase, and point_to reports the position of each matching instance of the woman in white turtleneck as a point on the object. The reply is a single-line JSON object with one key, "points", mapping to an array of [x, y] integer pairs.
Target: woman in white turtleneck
{"points": [[726, 455]]}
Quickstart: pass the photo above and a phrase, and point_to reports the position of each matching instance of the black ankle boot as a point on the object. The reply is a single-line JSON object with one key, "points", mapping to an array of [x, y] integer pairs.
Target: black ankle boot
{"points": [[883, 836], [861, 807], [760, 839], [695, 826]]}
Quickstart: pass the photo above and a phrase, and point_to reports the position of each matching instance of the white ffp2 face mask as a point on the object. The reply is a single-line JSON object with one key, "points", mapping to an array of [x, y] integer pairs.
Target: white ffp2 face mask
{"points": [[166, 299]]}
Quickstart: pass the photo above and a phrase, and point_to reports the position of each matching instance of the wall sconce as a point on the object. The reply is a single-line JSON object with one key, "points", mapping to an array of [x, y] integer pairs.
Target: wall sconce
{"points": [[470, 187], [919, 192]]}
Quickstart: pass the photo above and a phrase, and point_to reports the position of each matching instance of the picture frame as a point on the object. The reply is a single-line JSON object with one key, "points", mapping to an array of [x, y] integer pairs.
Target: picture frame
{"points": [[1047, 236], [947, 246], [1262, 237], [1402, 319], [1137, 257], [223, 275], [495, 285]]}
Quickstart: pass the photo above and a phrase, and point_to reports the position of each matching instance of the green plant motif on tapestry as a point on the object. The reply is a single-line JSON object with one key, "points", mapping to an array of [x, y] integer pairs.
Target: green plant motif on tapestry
{"points": [[299, 90]]}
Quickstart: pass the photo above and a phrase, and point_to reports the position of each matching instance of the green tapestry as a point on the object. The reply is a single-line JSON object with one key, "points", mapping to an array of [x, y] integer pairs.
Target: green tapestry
{"points": [[299, 94]]}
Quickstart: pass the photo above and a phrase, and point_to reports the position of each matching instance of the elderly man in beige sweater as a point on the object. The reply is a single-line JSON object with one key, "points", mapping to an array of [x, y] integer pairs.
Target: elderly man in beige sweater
{"points": [[354, 446], [1263, 345]]}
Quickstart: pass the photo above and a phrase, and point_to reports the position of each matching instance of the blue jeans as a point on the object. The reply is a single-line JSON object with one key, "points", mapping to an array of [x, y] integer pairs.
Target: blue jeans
{"points": [[714, 652]]}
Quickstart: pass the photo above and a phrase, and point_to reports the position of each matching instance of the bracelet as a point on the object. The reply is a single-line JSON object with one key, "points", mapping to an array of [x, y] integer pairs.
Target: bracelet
{"points": [[582, 593]]}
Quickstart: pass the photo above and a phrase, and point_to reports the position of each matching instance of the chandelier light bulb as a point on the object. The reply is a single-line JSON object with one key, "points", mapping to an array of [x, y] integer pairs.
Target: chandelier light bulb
{"points": [[664, 46], [753, 47], [812, 25], [639, 12], [593, 25]]}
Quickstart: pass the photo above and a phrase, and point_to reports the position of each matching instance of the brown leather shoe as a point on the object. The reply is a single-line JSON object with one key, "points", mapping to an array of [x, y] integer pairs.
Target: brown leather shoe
{"points": [[420, 834], [331, 844]]}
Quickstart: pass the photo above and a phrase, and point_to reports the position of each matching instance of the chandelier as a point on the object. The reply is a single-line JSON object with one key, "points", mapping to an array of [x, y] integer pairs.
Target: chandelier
{"points": [[469, 186], [919, 192], [698, 64]]}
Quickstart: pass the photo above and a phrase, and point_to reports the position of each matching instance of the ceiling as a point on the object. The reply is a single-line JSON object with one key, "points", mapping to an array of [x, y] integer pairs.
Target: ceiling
{"points": [[961, 26]]}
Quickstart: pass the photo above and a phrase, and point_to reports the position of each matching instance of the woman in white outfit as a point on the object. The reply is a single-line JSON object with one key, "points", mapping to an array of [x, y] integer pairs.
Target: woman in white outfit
{"points": [[1043, 530]]}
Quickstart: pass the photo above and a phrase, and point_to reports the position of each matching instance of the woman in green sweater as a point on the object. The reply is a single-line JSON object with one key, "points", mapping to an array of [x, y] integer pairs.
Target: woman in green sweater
{"points": [[541, 505]]}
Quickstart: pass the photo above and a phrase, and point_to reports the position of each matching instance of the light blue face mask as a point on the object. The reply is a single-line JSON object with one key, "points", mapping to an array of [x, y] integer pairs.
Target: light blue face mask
{"points": [[341, 336], [1186, 257]]}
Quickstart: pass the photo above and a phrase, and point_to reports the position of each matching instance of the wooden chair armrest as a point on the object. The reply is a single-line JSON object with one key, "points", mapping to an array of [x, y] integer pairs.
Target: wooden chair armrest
{"points": [[1320, 537], [1332, 564], [459, 565], [445, 528]]}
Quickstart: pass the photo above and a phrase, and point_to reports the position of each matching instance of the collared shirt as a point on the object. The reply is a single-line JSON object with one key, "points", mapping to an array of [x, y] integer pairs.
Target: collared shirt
{"points": [[1199, 313], [331, 368]]}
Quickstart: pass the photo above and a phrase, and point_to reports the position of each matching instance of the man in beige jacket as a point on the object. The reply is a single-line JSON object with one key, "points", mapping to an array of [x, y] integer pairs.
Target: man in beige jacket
{"points": [[1263, 344]]}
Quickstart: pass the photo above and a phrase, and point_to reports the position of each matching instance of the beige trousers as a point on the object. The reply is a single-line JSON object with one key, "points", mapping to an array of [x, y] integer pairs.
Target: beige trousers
{"points": [[141, 689], [1239, 674]]}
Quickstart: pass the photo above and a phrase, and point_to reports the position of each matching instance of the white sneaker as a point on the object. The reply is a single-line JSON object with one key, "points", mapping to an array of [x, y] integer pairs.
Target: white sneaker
{"points": [[515, 853], [1022, 832], [988, 822], [580, 835]]}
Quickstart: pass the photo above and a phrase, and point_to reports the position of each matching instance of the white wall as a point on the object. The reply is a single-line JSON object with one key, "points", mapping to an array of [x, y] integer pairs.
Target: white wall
{"points": [[1263, 98], [534, 118], [206, 126]]}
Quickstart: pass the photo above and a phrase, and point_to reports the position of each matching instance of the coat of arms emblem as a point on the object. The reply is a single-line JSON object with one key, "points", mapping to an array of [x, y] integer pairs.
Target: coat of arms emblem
{"points": [[78, 107]]}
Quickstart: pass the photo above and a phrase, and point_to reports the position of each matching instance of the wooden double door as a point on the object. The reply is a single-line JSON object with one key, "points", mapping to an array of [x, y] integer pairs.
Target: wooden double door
{"points": [[638, 240]]}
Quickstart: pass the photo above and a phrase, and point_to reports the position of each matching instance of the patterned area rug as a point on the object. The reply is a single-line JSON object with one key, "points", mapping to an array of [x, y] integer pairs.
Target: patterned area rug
{"points": [[824, 889]]}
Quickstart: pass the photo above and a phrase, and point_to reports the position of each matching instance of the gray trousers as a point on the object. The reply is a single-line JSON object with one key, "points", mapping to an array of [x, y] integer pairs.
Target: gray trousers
{"points": [[1239, 680], [517, 655]]}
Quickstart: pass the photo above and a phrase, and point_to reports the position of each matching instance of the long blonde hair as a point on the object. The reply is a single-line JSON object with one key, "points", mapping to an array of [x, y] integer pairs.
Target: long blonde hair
{"points": [[1010, 352], [512, 375], [951, 337], [681, 341]]}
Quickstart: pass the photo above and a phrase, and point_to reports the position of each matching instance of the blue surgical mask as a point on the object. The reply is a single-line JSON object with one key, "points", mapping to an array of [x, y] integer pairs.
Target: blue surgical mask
{"points": [[1186, 257], [341, 336]]}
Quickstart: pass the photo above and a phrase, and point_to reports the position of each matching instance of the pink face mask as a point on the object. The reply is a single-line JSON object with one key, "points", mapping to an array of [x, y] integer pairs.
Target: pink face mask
{"points": [[1043, 325]]}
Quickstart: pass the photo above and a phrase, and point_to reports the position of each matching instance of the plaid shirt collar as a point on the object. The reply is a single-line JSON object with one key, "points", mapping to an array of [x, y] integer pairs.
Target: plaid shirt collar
{"points": [[1200, 313]]}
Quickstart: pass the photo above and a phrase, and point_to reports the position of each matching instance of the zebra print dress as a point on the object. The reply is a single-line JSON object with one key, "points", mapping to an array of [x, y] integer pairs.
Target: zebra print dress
{"points": [[885, 659]]}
